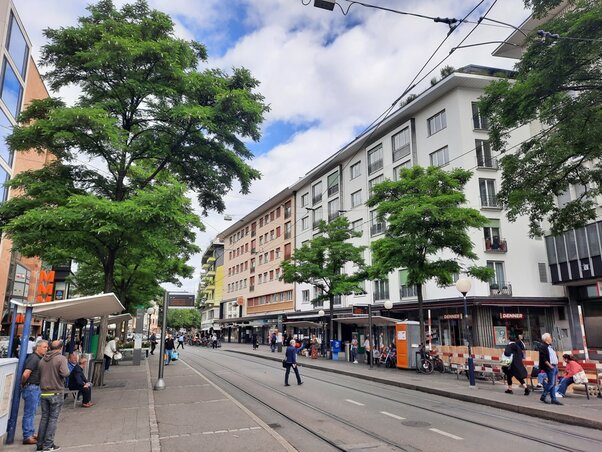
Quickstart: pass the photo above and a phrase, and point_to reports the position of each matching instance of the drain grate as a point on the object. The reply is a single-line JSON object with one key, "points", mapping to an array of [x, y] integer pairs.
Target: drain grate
{"points": [[275, 425], [415, 423]]}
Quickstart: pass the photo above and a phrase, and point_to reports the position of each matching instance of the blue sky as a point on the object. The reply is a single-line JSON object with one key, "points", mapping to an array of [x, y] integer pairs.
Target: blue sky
{"points": [[325, 76]]}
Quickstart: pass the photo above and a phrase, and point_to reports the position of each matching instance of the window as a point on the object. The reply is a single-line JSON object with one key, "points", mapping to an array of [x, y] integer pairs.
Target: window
{"points": [[381, 289], [333, 184], [362, 289], [272, 215], [440, 157], [406, 290], [357, 225], [491, 234], [261, 239], [479, 122], [333, 209], [543, 273], [437, 122], [305, 200], [488, 196], [278, 231], [484, 157], [271, 275], [375, 160], [355, 170], [356, 198], [261, 222], [499, 279], [4, 177], [305, 296], [316, 193], [12, 91], [272, 234], [287, 230], [6, 128], [397, 169], [287, 209], [373, 182], [17, 46], [376, 226], [287, 251], [278, 253], [564, 198], [277, 212], [317, 217], [401, 144], [305, 223]]}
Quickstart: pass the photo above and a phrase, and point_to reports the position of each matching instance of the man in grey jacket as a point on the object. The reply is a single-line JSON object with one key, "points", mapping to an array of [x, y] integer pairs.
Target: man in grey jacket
{"points": [[53, 371]]}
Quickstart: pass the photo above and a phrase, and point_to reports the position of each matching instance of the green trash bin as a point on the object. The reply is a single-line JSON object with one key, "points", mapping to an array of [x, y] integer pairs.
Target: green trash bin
{"points": [[94, 345]]}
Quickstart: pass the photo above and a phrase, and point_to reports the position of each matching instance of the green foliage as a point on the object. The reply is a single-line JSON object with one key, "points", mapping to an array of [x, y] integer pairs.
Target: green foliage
{"points": [[541, 7], [559, 84], [447, 70], [427, 228], [183, 318]]}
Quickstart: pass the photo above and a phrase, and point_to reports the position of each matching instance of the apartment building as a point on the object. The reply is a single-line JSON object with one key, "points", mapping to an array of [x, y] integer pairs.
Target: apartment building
{"points": [[254, 248], [20, 83], [441, 127], [210, 290]]}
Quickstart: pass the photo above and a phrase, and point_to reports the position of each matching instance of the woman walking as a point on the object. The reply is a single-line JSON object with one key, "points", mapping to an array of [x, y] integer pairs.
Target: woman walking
{"points": [[516, 369], [291, 361]]}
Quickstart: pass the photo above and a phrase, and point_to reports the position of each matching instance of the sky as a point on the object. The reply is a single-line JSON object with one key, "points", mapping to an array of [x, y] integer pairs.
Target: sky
{"points": [[325, 75]]}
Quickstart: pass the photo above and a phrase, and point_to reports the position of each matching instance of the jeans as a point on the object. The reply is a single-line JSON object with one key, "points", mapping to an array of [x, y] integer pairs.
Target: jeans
{"points": [[180, 344], [550, 386], [273, 347], [168, 353], [564, 384], [108, 360], [31, 399], [288, 371], [51, 408], [353, 353], [153, 346]]}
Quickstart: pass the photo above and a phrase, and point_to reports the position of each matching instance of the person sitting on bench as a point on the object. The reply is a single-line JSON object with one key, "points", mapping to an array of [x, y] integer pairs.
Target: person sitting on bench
{"points": [[79, 382]]}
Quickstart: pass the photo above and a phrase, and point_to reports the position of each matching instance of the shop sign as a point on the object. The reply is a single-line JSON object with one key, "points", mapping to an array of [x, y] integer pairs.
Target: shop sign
{"points": [[452, 316], [512, 315], [360, 310]]}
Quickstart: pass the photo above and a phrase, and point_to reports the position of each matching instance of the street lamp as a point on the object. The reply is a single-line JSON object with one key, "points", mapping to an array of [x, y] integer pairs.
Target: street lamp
{"points": [[388, 305], [463, 285], [150, 311], [160, 383]]}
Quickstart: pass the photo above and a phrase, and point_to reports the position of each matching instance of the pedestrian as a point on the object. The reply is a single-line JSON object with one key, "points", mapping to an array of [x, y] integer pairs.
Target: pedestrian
{"points": [[169, 348], [30, 382], [72, 360], [368, 350], [79, 382], [30, 345], [273, 339], [153, 343], [53, 371], [572, 368], [354, 350], [315, 347], [255, 344], [16, 344], [548, 362], [214, 340], [516, 368], [291, 361], [109, 352], [181, 341]]}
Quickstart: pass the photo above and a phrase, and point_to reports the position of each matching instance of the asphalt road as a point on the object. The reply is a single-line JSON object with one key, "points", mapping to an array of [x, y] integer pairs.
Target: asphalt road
{"points": [[332, 412]]}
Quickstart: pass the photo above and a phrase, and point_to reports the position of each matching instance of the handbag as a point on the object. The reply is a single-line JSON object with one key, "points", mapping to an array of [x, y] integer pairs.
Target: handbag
{"points": [[580, 377], [117, 356], [174, 355], [506, 360], [284, 362]]}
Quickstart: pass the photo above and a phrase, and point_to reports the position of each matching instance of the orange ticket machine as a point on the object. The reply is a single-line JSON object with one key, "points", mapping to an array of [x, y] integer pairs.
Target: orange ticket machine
{"points": [[407, 342]]}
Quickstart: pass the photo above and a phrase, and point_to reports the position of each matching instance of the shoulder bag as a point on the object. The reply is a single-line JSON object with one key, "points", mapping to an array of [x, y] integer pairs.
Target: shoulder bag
{"points": [[580, 377]]}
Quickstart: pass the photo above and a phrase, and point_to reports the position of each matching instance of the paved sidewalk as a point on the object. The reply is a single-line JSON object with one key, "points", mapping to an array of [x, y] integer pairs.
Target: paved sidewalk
{"points": [[191, 414], [577, 410]]}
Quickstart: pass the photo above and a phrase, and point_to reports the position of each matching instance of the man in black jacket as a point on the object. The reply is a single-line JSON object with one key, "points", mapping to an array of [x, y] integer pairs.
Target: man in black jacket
{"points": [[548, 362], [79, 382]]}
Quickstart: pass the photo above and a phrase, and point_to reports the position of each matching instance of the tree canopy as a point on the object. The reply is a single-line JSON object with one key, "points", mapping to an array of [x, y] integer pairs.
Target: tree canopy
{"points": [[427, 228], [558, 84], [183, 318]]}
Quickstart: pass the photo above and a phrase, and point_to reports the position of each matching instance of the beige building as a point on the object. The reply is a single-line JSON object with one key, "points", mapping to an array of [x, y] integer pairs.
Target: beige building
{"points": [[20, 83], [254, 248]]}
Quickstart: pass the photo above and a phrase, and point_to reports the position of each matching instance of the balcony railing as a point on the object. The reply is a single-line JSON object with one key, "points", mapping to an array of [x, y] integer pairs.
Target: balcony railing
{"points": [[496, 245], [378, 228], [287, 235], [333, 190], [375, 166], [333, 215], [407, 291], [500, 288], [316, 199], [490, 201], [487, 162], [287, 212]]}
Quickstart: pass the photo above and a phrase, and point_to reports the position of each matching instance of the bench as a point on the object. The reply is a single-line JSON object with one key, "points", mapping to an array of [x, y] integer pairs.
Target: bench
{"points": [[593, 372]]}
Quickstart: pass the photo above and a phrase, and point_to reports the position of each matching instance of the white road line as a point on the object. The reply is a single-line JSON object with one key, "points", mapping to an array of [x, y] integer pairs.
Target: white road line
{"points": [[394, 416], [441, 432], [354, 402]]}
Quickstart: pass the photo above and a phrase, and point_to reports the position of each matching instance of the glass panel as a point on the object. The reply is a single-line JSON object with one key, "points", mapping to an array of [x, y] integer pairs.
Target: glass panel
{"points": [[403, 277], [6, 129], [592, 238], [17, 46], [570, 245], [4, 177], [11, 89], [551, 251], [581, 243], [560, 249]]}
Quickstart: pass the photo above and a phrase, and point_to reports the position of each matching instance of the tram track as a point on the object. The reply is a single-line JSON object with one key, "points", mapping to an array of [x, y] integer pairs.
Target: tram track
{"points": [[413, 405]]}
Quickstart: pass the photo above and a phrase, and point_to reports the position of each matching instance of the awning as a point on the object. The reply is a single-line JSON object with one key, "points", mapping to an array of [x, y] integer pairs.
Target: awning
{"points": [[302, 324], [77, 308], [377, 320], [306, 316], [120, 318]]}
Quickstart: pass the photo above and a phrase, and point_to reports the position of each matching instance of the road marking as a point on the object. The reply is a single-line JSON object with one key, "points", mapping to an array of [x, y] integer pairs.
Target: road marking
{"points": [[441, 432], [394, 416], [354, 402]]}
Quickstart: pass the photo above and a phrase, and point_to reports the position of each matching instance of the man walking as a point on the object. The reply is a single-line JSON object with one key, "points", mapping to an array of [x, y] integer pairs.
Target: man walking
{"points": [[214, 341], [291, 361], [181, 341], [548, 362], [30, 381], [53, 371], [273, 339], [153, 343]]}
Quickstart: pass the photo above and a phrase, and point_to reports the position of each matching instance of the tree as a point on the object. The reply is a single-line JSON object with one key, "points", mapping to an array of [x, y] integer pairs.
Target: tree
{"points": [[183, 318], [321, 263], [425, 222], [144, 111], [558, 83]]}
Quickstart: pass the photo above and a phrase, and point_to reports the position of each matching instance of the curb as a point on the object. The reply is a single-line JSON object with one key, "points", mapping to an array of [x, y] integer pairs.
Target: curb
{"points": [[528, 411]]}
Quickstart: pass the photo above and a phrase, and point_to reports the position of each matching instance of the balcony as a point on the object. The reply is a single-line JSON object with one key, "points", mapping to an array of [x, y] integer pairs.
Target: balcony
{"points": [[210, 273], [487, 163], [490, 202], [378, 228], [500, 288], [211, 259], [496, 245]]}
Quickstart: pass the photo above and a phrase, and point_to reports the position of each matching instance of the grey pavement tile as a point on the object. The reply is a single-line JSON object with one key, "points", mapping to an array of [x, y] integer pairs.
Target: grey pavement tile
{"points": [[249, 441], [184, 395]]}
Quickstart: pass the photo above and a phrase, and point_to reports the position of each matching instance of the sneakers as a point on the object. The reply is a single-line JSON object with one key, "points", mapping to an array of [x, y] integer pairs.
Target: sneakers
{"points": [[286, 384], [527, 391], [355, 362], [300, 383], [543, 399], [51, 448], [508, 391], [556, 402], [559, 396]]}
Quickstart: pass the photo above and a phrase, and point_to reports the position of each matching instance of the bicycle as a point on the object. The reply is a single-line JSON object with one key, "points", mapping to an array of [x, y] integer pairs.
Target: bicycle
{"points": [[429, 362]]}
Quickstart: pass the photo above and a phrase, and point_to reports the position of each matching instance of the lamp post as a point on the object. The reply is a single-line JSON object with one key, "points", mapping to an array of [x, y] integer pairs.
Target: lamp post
{"points": [[160, 383], [321, 314], [463, 285], [150, 311]]}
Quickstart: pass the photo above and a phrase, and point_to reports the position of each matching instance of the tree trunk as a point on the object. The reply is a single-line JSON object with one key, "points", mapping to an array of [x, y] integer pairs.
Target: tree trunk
{"points": [[331, 316], [421, 314], [109, 268]]}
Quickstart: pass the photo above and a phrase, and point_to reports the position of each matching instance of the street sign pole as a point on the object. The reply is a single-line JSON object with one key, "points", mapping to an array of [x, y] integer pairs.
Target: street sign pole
{"points": [[371, 354]]}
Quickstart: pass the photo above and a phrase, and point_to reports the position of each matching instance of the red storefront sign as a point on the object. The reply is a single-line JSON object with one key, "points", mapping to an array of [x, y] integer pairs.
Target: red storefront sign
{"points": [[512, 315], [452, 316], [360, 310]]}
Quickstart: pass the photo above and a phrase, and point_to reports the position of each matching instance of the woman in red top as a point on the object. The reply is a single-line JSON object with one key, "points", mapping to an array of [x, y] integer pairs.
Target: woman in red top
{"points": [[572, 368]]}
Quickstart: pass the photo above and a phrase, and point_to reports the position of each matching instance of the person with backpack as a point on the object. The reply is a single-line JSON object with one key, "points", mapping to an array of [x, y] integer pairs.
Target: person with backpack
{"points": [[516, 369]]}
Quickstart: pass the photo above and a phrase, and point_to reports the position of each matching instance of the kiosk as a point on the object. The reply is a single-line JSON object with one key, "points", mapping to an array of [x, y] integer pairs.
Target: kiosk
{"points": [[407, 342]]}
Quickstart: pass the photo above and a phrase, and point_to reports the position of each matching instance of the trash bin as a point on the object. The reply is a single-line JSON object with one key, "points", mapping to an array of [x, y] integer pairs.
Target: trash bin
{"points": [[335, 347], [348, 351]]}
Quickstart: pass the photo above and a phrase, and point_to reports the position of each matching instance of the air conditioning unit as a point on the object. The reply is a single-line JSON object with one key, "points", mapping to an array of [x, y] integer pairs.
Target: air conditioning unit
{"points": [[325, 4]]}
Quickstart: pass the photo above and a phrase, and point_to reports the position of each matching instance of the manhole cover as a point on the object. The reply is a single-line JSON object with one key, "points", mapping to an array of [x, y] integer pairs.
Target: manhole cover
{"points": [[275, 425], [415, 423]]}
